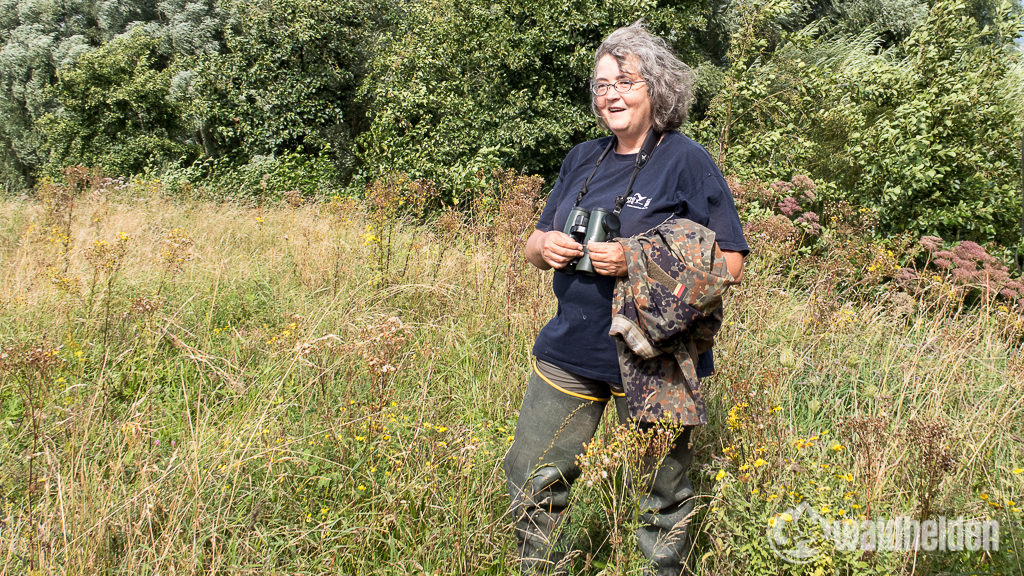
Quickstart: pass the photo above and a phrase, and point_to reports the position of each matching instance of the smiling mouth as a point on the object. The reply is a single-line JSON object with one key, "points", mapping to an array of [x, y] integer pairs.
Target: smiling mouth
{"points": [[616, 109]]}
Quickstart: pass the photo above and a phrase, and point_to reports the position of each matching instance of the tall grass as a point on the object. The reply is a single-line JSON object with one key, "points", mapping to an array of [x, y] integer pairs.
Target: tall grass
{"points": [[305, 389]]}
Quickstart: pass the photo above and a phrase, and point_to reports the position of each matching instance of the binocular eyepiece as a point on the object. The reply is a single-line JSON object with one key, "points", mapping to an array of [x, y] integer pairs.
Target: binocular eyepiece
{"points": [[585, 226]]}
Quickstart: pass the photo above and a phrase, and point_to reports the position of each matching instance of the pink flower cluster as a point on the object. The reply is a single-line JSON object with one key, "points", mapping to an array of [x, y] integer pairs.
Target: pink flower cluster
{"points": [[970, 265], [797, 193]]}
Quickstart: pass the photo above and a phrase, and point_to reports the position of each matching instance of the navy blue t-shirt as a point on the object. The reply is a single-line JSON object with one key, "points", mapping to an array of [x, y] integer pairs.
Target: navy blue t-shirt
{"points": [[679, 179]]}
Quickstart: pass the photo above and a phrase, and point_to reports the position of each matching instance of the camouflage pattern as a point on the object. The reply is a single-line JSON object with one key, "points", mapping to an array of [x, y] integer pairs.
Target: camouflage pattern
{"points": [[664, 314]]}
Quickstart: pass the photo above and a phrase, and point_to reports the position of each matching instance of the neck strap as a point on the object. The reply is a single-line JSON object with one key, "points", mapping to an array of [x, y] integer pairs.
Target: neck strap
{"points": [[651, 142]]}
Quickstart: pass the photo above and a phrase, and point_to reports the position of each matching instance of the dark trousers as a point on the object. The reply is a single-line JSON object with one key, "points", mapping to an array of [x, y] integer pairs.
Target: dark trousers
{"points": [[541, 466]]}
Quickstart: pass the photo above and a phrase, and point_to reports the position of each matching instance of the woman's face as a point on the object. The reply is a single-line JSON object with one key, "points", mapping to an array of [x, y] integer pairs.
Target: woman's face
{"points": [[628, 115]]}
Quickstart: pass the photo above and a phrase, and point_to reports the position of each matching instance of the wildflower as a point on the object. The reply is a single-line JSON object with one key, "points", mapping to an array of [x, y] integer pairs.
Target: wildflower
{"points": [[361, 488], [930, 243], [772, 497], [1018, 470], [720, 475], [837, 447], [848, 477], [983, 496], [789, 206], [759, 462]]}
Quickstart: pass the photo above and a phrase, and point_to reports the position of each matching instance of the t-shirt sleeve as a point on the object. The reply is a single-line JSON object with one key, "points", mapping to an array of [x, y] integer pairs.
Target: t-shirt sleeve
{"points": [[722, 216], [547, 217]]}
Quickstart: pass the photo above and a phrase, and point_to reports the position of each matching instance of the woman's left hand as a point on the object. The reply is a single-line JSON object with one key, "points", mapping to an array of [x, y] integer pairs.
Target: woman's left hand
{"points": [[608, 258]]}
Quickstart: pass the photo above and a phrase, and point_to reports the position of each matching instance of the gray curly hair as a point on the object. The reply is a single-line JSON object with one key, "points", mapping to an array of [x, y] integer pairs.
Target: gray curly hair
{"points": [[669, 80]]}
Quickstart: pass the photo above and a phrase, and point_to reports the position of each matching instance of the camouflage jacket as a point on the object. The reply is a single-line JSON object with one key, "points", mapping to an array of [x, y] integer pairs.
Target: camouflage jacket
{"points": [[664, 314]]}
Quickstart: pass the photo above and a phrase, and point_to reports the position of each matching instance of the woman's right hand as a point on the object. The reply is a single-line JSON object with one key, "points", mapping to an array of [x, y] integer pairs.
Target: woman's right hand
{"points": [[552, 249]]}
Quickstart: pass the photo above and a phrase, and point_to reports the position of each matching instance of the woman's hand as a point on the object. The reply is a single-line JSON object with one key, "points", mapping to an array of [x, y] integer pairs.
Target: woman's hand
{"points": [[552, 249], [609, 258]]}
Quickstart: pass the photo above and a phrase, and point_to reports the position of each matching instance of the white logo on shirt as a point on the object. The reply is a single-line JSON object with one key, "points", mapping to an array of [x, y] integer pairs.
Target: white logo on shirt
{"points": [[638, 201]]}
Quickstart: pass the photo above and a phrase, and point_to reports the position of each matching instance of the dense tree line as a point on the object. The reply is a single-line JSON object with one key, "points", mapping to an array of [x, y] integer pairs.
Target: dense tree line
{"points": [[909, 106]]}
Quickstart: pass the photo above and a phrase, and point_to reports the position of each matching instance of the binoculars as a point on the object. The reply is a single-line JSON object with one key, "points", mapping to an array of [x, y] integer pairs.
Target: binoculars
{"points": [[597, 225]]}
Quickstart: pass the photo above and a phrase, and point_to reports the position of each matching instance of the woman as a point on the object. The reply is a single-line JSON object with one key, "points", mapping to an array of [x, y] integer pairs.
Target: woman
{"points": [[640, 92]]}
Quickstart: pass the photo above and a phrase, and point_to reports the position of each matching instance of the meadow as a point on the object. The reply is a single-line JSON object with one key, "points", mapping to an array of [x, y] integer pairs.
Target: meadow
{"points": [[193, 385]]}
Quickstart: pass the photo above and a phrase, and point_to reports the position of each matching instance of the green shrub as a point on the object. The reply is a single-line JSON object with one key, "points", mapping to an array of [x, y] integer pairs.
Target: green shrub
{"points": [[925, 132], [114, 111], [456, 90]]}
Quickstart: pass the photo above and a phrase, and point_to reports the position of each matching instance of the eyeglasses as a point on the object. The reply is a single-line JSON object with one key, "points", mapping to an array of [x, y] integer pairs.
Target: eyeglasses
{"points": [[621, 86]]}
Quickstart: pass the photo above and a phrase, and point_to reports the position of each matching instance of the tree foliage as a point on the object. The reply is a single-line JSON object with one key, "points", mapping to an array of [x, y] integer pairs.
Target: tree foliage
{"points": [[918, 131], [284, 81], [114, 111], [461, 88], [41, 38], [38, 37], [908, 106]]}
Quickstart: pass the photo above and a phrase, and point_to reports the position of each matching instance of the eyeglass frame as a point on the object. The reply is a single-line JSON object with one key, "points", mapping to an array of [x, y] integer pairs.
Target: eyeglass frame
{"points": [[613, 85]]}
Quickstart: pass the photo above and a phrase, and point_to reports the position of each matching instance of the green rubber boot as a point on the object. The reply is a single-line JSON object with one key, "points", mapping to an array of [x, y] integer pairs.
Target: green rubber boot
{"points": [[540, 467], [666, 507]]}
